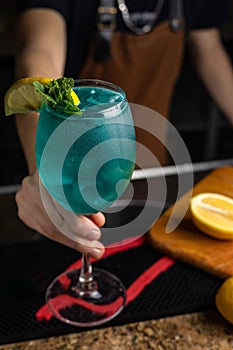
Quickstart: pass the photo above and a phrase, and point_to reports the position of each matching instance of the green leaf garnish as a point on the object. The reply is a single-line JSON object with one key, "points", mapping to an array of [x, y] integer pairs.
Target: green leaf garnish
{"points": [[58, 94]]}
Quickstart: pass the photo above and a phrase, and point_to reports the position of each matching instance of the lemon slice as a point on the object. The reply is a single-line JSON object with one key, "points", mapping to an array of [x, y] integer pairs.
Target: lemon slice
{"points": [[22, 96], [224, 299], [212, 213]]}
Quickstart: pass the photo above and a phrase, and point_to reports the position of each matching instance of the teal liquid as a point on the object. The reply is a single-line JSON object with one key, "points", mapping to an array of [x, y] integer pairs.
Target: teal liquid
{"points": [[86, 162]]}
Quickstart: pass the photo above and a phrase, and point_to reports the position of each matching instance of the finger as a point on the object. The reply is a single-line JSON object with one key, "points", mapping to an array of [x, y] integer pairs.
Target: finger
{"points": [[38, 220], [94, 248], [98, 219], [78, 228], [44, 226], [54, 222]]}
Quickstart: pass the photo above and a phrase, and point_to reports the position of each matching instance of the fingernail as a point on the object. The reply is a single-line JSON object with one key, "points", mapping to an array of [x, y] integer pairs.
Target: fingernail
{"points": [[95, 253], [92, 235]]}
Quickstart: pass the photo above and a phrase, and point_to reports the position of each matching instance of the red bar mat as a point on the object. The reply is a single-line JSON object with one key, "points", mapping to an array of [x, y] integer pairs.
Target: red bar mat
{"points": [[133, 290], [28, 268]]}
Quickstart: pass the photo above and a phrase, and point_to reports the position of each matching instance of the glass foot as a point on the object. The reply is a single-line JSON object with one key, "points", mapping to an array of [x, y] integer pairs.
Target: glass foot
{"points": [[76, 305]]}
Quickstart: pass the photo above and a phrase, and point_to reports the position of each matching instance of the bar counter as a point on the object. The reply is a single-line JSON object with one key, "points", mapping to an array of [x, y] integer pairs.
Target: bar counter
{"points": [[195, 330], [204, 330]]}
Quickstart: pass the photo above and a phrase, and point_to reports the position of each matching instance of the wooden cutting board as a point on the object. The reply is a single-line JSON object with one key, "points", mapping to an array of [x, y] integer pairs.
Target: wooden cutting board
{"points": [[187, 243]]}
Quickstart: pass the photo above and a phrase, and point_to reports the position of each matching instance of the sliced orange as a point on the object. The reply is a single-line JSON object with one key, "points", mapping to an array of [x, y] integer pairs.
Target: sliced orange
{"points": [[212, 213], [22, 96]]}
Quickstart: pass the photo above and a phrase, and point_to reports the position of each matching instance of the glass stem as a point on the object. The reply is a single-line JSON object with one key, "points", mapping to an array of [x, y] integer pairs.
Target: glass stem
{"points": [[86, 270], [86, 281]]}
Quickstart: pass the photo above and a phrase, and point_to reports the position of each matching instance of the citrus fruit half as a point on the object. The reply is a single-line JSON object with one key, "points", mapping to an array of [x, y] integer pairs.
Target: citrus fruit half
{"points": [[224, 299], [212, 213], [22, 96]]}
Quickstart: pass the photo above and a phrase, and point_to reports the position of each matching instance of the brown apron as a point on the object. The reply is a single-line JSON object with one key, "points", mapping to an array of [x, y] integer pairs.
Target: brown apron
{"points": [[146, 67]]}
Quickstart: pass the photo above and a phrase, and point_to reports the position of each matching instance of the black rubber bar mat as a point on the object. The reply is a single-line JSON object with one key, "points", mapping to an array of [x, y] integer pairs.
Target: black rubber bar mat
{"points": [[28, 267]]}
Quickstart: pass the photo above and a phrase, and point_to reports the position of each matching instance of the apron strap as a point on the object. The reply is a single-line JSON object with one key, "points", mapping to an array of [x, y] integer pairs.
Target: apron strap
{"points": [[106, 24], [176, 15]]}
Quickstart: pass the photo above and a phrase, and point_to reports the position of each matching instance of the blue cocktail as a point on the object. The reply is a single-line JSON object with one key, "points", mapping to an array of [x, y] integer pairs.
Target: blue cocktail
{"points": [[88, 159], [85, 162]]}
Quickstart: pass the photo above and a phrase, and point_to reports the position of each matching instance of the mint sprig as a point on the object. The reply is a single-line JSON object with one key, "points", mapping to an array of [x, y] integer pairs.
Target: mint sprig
{"points": [[58, 94]]}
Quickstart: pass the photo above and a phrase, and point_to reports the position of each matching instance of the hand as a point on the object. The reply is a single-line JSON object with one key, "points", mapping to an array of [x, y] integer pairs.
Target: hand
{"points": [[53, 221]]}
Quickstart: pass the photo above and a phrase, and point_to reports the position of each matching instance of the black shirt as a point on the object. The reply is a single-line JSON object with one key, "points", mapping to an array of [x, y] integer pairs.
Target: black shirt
{"points": [[80, 16]]}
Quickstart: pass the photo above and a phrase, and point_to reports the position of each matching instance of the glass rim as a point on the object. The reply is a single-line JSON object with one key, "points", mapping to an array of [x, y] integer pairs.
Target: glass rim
{"points": [[101, 83]]}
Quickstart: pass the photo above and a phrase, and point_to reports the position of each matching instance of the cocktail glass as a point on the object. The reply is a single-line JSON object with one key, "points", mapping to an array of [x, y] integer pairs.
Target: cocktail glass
{"points": [[85, 162]]}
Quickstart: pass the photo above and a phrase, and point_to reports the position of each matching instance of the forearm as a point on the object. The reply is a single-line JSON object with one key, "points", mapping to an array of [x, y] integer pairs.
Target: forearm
{"points": [[26, 128], [27, 66], [215, 70], [34, 61], [41, 52], [219, 81]]}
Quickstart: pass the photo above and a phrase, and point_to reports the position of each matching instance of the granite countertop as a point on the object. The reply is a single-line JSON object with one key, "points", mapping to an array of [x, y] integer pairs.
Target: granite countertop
{"points": [[204, 330]]}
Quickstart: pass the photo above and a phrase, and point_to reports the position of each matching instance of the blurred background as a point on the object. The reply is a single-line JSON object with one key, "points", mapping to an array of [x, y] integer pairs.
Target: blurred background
{"points": [[206, 132]]}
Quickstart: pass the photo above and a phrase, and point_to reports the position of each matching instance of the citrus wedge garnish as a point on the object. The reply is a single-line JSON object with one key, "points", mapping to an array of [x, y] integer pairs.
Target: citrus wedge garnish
{"points": [[22, 96], [75, 98], [212, 213]]}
